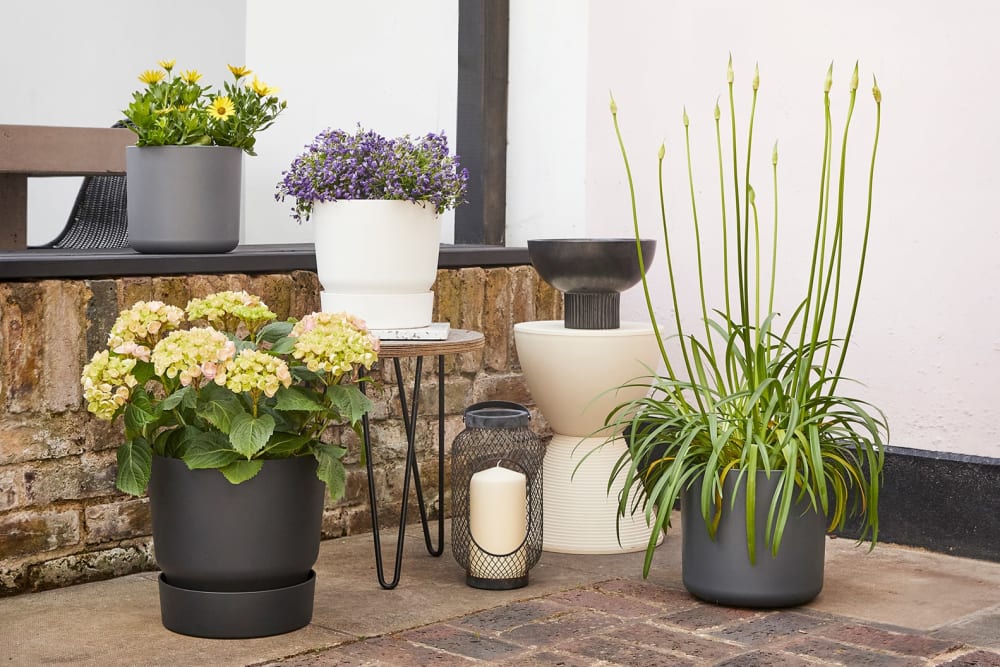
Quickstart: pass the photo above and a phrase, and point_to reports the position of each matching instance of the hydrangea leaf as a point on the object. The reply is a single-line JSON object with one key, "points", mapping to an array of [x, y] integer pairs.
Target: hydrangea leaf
{"points": [[330, 469], [250, 434], [135, 460], [139, 413], [240, 471], [273, 332], [283, 445], [208, 450], [176, 398], [219, 407], [294, 398], [348, 401]]}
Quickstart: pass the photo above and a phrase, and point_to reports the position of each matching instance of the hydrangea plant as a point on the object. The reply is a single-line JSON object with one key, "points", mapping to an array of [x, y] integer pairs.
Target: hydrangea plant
{"points": [[176, 110], [365, 165], [222, 385]]}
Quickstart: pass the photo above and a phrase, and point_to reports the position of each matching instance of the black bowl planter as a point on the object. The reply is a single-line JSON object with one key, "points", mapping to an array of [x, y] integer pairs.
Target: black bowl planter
{"points": [[719, 571], [592, 273], [236, 558]]}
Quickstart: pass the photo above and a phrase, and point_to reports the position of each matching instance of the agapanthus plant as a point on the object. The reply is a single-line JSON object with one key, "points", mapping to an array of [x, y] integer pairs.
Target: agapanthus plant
{"points": [[222, 385], [366, 165], [176, 110], [745, 393]]}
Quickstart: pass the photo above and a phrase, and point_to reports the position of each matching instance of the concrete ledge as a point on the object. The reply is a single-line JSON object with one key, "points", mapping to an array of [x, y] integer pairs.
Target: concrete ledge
{"points": [[36, 263]]}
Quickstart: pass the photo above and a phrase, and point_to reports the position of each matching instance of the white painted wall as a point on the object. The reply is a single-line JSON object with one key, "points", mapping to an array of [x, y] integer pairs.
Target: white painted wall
{"points": [[927, 342], [390, 65], [64, 62], [546, 120]]}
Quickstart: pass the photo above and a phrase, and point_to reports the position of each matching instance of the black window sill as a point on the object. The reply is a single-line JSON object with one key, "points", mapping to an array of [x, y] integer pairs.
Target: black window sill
{"points": [[39, 263]]}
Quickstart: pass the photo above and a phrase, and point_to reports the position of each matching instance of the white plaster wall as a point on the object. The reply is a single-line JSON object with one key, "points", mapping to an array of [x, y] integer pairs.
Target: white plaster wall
{"points": [[546, 121], [64, 62], [389, 64], [927, 342]]}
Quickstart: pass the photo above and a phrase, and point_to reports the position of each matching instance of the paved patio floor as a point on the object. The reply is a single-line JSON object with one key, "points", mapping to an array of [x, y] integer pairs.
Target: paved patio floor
{"points": [[893, 606]]}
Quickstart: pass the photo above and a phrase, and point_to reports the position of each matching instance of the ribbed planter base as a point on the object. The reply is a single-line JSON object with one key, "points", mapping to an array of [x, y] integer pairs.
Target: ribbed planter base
{"points": [[237, 615], [580, 514]]}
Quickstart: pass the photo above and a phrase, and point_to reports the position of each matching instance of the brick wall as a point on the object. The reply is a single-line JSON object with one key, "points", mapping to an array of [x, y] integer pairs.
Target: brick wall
{"points": [[61, 519]]}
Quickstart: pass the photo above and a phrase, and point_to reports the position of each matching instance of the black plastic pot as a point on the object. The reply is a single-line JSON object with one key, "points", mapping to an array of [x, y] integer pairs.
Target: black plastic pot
{"points": [[720, 571], [236, 559]]}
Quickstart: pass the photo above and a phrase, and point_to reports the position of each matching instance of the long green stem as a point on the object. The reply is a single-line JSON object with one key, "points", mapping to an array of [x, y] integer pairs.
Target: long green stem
{"points": [[839, 233], [697, 236], [877, 94], [638, 245], [722, 199], [673, 289], [774, 232], [802, 364]]}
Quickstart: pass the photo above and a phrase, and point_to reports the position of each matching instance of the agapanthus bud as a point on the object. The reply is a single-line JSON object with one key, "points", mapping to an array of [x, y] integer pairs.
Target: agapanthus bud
{"points": [[663, 151], [718, 112], [829, 79], [854, 78], [685, 117], [729, 70], [774, 154], [876, 91], [756, 77], [614, 107], [751, 195]]}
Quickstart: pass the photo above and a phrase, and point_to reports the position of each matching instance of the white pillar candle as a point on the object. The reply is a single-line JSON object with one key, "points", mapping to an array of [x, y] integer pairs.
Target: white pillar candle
{"points": [[498, 517]]}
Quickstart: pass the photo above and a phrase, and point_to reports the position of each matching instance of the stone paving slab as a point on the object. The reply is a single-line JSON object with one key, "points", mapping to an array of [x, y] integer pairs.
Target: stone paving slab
{"points": [[893, 606]]}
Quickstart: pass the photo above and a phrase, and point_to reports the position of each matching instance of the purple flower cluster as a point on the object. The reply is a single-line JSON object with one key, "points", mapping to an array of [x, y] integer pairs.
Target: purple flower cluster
{"points": [[365, 165]]}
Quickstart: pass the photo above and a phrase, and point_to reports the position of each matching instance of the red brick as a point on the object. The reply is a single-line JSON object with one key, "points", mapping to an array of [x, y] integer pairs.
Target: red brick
{"points": [[899, 642]]}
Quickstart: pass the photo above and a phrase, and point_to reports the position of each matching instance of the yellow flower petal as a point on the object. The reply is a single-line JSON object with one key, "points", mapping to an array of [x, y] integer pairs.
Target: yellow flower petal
{"points": [[239, 72], [191, 76], [167, 64], [262, 88], [151, 76]]}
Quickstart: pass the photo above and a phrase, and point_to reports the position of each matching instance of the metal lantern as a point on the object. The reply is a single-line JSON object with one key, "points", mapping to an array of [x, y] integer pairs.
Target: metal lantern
{"points": [[496, 504]]}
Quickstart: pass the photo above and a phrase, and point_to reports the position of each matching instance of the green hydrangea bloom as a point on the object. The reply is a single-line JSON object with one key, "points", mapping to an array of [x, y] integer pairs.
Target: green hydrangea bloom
{"points": [[226, 309], [253, 370], [335, 343], [140, 327], [193, 355], [107, 383]]}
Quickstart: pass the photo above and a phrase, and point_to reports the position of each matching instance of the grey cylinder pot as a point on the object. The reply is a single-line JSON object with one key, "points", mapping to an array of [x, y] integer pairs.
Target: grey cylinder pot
{"points": [[720, 571], [236, 559], [183, 199]]}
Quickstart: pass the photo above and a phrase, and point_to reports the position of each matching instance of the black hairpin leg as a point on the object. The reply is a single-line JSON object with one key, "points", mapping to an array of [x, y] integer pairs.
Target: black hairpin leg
{"points": [[410, 426]]}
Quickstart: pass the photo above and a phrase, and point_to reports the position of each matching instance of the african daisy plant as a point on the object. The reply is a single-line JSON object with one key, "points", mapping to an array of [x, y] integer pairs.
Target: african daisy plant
{"points": [[175, 109]]}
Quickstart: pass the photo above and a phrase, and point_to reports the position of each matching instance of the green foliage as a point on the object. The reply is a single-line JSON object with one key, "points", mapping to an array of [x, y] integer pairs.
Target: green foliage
{"points": [[749, 396]]}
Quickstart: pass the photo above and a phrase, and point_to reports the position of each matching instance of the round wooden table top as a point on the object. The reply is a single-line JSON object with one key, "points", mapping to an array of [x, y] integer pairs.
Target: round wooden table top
{"points": [[459, 340]]}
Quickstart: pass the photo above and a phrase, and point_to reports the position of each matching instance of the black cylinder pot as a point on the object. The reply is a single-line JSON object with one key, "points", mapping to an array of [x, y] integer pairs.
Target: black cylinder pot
{"points": [[720, 570], [236, 559]]}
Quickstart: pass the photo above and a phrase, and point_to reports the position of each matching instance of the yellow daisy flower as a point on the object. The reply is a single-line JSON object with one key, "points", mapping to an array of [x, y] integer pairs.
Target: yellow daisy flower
{"points": [[167, 64], [151, 76], [191, 76], [221, 108], [239, 72], [262, 88]]}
